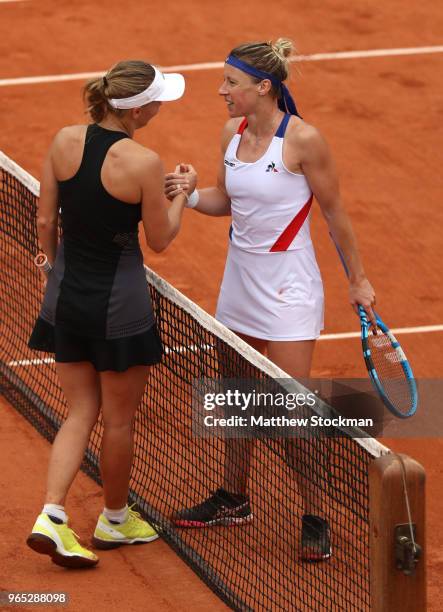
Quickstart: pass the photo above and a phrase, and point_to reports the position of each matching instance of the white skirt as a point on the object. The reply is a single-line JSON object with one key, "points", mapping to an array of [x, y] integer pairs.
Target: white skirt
{"points": [[272, 296]]}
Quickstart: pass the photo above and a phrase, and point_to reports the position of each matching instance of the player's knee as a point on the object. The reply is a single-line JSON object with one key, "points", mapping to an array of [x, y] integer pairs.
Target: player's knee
{"points": [[118, 418], [86, 413]]}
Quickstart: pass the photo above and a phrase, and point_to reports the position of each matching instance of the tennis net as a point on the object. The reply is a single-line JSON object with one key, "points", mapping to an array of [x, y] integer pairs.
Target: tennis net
{"points": [[250, 567]]}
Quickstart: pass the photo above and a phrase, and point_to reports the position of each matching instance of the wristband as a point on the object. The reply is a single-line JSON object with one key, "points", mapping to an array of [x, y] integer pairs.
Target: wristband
{"points": [[193, 199], [42, 263]]}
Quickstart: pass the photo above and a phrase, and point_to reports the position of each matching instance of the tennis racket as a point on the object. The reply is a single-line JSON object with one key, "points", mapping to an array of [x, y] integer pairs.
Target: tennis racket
{"points": [[386, 362]]}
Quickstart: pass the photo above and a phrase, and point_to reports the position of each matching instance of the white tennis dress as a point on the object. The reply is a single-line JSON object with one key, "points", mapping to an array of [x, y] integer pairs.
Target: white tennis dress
{"points": [[272, 288]]}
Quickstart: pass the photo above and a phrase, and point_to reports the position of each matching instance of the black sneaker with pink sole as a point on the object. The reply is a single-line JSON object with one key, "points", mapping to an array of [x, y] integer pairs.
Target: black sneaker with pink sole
{"points": [[221, 508], [315, 539]]}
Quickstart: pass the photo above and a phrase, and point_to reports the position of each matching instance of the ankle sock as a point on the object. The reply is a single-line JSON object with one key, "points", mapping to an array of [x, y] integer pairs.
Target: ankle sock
{"points": [[116, 516], [56, 513]]}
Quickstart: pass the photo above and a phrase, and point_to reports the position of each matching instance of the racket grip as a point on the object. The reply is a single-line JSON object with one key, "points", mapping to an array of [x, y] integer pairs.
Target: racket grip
{"points": [[42, 263]]}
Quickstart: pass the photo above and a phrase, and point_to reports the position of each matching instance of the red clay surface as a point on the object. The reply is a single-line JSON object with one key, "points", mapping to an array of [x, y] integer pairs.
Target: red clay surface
{"points": [[383, 120]]}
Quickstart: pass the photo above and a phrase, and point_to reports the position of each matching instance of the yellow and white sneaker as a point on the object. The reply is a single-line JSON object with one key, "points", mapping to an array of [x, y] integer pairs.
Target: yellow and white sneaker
{"points": [[60, 543], [134, 530]]}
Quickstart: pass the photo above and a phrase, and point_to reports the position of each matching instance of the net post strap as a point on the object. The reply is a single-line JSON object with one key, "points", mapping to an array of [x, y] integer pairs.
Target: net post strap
{"points": [[397, 496]]}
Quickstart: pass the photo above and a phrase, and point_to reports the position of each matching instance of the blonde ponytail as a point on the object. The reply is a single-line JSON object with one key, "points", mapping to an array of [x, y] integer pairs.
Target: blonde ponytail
{"points": [[95, 97], [283, 48]]}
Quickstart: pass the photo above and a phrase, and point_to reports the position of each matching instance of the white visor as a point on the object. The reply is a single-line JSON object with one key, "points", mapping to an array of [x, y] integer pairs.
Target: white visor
{"points": [[164, 88]]}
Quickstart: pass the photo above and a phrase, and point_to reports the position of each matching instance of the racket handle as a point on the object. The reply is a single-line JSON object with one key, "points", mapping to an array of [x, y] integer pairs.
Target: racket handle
{"points": [[340, 254]]}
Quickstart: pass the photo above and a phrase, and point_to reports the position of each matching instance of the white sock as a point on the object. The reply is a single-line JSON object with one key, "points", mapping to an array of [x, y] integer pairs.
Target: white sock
{"points": [[116, 516], [56, 511]]}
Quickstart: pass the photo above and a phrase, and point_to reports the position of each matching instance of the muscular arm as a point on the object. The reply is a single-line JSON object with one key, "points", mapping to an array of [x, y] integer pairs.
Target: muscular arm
{"points": [[47, 211], [213, 201], [319, 168], [160, 221]]}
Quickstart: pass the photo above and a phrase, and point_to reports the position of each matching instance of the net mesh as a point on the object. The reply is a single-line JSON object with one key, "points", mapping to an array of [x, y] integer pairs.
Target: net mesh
{"points": [[252, 567]]}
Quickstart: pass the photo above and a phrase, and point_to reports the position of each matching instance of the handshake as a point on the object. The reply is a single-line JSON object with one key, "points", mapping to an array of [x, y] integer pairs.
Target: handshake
{"points": [[182, 180]]}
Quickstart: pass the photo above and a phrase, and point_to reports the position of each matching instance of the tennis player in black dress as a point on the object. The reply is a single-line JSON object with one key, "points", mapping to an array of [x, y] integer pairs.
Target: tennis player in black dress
{"points": [[96, 316]]}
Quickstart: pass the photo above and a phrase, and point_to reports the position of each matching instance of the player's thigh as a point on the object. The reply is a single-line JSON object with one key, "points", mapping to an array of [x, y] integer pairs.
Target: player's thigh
{"points": [[227, 356], [122, 393], [80, 384], [257, 343], [294, 357]]}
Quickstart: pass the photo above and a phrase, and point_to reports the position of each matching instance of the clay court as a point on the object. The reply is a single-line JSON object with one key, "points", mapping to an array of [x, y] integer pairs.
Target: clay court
{"points": [[382, 116]]}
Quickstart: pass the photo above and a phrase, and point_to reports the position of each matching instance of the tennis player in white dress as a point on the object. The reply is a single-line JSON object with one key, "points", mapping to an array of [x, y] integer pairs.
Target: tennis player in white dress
{"points": [[273, 165], [271, 260]]}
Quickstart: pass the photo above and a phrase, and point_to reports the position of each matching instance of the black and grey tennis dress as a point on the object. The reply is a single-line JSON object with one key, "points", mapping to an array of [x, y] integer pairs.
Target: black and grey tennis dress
{"points": [[97, 306]]}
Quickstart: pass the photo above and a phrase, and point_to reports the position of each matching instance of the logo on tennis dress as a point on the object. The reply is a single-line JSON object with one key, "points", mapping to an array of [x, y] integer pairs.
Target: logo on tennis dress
{"points": [[229, 163], [271, 167]]}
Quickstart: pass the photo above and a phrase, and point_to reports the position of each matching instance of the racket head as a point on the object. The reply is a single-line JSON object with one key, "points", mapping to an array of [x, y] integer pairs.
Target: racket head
{"points": [[388, 368]]}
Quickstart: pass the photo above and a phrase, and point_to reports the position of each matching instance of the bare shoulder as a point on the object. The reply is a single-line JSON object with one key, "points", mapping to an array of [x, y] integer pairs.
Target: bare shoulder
{"points": [[138, 160], [229, 129], [305, 136], [69, 136], [307, 142], [140, 155], [231, 126]]}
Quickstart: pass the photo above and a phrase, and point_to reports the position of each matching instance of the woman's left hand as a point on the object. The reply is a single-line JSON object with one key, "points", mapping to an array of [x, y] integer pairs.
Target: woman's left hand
{"points": [[362, 293]]}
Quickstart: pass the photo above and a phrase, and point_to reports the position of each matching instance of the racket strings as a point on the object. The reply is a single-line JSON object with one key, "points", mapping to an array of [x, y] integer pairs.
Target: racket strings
{"points": [[387, 362]]}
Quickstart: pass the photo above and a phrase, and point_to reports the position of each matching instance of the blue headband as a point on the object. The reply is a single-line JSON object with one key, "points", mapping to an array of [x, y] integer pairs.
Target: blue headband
{"points": [[285, 102]]}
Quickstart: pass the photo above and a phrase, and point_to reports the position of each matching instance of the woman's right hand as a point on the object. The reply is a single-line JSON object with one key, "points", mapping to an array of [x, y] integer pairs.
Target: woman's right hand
{"points": [[183, 179]]}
